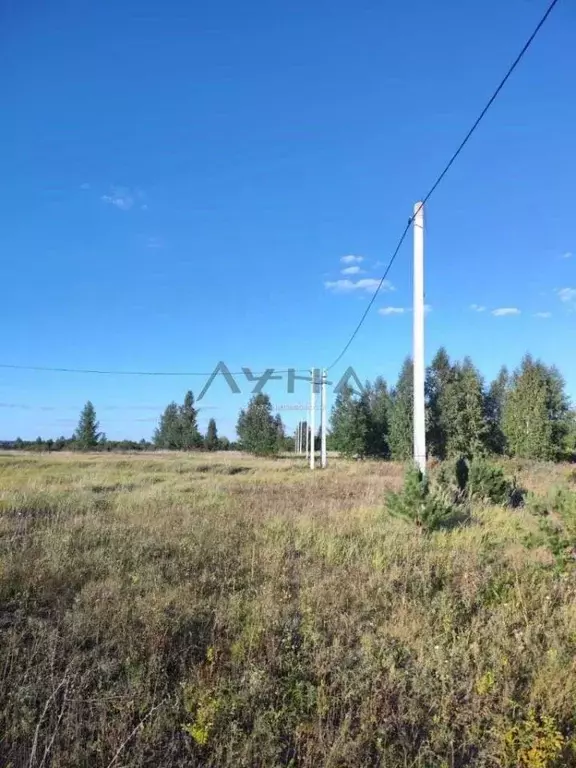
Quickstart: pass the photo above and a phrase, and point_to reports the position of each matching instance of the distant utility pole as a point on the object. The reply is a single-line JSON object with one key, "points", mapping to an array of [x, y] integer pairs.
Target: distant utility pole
{"points": [[323, 454], [307, 435], [418, 351], [313, 417]]}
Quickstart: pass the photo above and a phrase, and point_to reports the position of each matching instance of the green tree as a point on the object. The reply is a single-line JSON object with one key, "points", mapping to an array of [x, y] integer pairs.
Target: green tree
{"points": [[189, 433], [257, 428], [211, 442], [536, 412], [87, 435], [495, 400], [378, 401], [438, 376], [168, 434], [283, 444], [401, 414], [349, 423], [464, 412]]}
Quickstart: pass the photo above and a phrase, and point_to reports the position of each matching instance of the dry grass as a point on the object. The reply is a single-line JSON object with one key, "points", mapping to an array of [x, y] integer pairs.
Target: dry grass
{"points": [[220, 610]]}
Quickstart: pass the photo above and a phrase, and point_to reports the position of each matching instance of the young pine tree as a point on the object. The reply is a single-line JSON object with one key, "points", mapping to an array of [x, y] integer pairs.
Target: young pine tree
{"points": [[211, 441], [401, 414], [87, 435], [257, 428]]}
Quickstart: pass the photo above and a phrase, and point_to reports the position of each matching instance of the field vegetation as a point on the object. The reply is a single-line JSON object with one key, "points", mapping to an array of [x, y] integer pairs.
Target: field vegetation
{"points": [[217, 609]]}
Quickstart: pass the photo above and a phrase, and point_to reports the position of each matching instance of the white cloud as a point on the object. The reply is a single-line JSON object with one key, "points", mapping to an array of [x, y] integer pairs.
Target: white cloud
{"points": [[504, 311], [477, 308], [351, 259], [120, 197], [543, 314], [392, 311], [567, 255], [124, 198], [401, 310], [368, 284], [567, 294], [352, 271], [154, 242]]}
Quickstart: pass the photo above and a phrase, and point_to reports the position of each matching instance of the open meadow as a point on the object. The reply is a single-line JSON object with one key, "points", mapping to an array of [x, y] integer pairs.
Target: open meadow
{"points": [[222, 610]]}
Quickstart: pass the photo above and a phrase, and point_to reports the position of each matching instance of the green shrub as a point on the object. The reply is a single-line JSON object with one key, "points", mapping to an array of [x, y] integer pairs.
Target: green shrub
{"points": [[475, 480], [415, 503], [487, 482]]}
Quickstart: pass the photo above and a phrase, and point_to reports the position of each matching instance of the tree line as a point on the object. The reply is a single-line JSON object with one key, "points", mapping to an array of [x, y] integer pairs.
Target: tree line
{"points": [[525, 414], [177, 430]]}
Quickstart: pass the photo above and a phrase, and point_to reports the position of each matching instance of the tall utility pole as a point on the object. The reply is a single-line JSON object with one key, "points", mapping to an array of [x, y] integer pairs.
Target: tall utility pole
{"points": [[313, 418], [418, 351], [307, 435], [323, 454]]}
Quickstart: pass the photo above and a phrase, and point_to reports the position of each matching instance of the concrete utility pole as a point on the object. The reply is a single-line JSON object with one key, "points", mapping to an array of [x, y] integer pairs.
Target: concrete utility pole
{"points": [[418, 351], [313, 418], [307, 436], [323, 454]]}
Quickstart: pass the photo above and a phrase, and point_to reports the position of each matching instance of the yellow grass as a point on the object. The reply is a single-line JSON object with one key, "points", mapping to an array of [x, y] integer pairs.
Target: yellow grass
{"points": [[222, 610]]}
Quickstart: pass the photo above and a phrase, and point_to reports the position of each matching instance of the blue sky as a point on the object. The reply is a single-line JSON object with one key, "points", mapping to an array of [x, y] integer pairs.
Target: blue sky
{"points": [[182, 183]]}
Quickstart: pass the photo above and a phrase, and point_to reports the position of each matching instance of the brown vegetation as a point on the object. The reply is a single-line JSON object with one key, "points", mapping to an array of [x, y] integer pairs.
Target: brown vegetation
{"points": [[221, 610]]}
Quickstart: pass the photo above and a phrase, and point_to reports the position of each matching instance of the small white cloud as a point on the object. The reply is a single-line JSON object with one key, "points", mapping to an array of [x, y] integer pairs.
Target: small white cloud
{"points": [[543, 315], [154, 242], [368, 284], [427, 308], [477, 308], [504, 311], [567, 294], [567, 255], [351, 259], [351, 271], [120, 197], [392, 311]]}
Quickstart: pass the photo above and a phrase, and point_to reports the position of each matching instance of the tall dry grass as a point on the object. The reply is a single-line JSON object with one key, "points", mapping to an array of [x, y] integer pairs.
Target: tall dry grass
{"points": [[214, 610]]}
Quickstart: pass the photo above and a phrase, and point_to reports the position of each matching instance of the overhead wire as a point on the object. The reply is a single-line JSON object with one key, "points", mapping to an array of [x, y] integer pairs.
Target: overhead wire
{"points": [[442, 175], [100, 372], [395, 253]]}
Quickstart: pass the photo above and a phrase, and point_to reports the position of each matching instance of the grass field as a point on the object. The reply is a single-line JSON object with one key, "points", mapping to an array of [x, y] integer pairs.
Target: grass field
{"points": [[219, 610]]}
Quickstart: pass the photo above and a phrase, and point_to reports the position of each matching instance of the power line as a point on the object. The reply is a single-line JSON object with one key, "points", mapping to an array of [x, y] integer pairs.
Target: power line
{"points": [[143, 373], [447, 167]]}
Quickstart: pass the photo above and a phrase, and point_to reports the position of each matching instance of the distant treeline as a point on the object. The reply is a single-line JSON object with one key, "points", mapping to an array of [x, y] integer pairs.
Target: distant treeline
{"points": [[525, 414], [177, 430]]}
